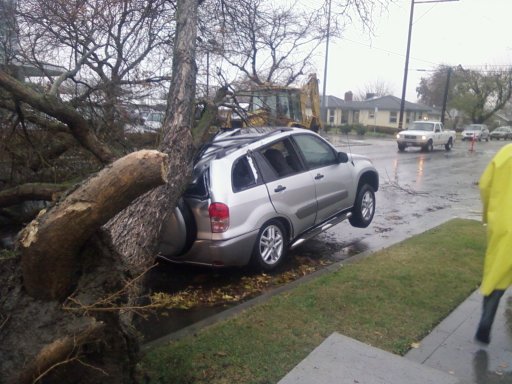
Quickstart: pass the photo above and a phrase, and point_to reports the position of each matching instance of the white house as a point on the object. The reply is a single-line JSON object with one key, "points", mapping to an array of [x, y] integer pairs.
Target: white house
{"points": [[383, 111]]}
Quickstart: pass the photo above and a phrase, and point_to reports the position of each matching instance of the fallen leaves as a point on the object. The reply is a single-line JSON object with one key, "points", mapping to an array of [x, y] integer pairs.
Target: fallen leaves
{"points": [[206, 291]]}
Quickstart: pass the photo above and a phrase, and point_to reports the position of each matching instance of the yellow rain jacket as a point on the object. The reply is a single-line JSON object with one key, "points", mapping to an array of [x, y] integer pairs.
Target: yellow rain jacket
{"points": [[496, 194]]}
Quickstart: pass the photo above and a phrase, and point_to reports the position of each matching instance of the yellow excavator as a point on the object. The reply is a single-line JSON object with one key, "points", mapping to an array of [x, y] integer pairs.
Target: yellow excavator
{"points": [[277, 106]]}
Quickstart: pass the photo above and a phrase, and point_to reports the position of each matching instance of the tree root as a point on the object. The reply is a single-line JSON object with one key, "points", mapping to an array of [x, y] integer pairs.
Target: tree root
{"points": [[59, 352]]}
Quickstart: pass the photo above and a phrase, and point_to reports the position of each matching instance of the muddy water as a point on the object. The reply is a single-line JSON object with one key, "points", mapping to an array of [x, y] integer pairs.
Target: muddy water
{"points": [[418, 191]]}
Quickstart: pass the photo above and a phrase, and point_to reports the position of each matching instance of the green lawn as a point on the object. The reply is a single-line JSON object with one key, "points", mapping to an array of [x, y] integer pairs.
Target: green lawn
{"points": [[391, 299]]}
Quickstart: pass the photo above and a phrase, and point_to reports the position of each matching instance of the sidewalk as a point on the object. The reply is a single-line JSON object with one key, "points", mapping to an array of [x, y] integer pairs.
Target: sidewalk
{"points": [[447, 355]]}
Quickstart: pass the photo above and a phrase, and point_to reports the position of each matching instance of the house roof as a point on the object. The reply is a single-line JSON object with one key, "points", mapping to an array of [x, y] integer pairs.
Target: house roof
{"points": [[333, 102], [388, 103]]}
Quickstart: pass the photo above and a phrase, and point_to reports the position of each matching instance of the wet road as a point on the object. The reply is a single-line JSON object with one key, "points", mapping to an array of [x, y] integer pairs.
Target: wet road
{"points": [[418, 191]]}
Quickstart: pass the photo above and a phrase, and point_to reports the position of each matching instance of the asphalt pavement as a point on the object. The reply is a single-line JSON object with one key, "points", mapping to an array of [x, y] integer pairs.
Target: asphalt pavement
{"points": [[449, 354]]}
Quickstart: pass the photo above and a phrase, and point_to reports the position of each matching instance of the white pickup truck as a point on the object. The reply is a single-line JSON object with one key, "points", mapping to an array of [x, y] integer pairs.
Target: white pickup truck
{"points": [[425, 134]]}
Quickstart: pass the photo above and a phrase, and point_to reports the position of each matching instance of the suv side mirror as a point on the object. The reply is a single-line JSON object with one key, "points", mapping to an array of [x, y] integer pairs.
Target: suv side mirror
{"points": [[342, 157]]}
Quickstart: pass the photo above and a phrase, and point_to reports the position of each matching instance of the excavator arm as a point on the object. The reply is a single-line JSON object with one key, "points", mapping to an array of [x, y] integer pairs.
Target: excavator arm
{"points": [[311, 93]]}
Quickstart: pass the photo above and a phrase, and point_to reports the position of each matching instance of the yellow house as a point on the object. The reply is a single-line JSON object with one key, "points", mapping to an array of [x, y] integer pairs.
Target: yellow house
{"points": [[382, 111]]}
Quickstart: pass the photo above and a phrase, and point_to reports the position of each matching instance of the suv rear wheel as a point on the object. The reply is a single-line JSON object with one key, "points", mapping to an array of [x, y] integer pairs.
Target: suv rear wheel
{"points": [[364, 207], [271, 246], [178, 231]]}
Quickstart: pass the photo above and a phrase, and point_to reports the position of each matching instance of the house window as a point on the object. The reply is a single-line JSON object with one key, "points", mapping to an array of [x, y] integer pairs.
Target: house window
{"points": [[392, 117], [331, 116], [344, 117], [371, 114], [356, 116]]}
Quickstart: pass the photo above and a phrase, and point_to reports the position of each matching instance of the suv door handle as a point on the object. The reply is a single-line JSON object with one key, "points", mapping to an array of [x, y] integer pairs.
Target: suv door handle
{"points": [[279, 188], [319, 176]]}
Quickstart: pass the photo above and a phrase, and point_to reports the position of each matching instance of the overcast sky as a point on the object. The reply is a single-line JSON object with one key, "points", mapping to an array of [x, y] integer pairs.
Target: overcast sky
{"points": [[472, 33]]}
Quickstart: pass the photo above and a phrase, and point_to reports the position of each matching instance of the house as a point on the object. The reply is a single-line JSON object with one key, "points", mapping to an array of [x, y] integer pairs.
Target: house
{"points": [[502, 118], [383, 111]]}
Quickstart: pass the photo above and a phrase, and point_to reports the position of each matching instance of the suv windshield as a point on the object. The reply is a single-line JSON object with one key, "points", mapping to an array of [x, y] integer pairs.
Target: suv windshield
{"points": [[474, 128]]}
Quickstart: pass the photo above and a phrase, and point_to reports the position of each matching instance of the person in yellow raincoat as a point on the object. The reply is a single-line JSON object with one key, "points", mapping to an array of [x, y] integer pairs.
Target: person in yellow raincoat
{"points": [[496, 195]]}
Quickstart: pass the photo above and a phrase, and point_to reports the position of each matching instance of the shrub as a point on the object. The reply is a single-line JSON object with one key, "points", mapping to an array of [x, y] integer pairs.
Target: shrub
{"points": [[360, 129], [345, 129]]}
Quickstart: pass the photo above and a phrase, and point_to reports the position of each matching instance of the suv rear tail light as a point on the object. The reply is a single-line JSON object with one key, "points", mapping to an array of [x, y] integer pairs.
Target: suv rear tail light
{"points": [[219, 217]]}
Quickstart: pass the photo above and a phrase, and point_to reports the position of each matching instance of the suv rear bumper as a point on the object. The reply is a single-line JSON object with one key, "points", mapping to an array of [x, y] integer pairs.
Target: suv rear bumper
{"points": [[219, 253]]}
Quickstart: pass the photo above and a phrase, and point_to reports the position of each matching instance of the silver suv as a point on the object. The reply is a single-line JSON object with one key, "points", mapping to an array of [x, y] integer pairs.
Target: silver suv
{"points": [[258, 192]]}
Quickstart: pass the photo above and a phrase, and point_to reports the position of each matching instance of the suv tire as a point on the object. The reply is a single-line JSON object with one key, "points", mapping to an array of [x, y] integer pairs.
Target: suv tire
{"points": [[271, 246], [364, 207], [182, 226]]}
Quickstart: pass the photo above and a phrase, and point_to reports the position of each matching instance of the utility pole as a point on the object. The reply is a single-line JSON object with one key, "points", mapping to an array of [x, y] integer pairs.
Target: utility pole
{"points": [[445, 97], [406, 68], [323, 108]]}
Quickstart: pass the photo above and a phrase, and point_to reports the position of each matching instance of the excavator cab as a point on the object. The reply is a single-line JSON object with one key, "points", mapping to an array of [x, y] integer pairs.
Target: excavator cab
{"points": [[280, 107], [277, 106]]}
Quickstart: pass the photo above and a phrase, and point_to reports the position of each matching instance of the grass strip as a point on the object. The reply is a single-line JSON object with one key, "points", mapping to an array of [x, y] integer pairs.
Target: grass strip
{"points": [[390, 300]]}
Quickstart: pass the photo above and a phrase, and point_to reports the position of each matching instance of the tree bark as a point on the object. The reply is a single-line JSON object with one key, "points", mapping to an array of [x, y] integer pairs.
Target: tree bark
{"points": [[50, 244]]}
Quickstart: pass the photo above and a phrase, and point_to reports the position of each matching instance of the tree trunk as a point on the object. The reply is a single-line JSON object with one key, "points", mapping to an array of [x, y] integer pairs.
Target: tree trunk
{"points": [[135, 230], [50, 244]]}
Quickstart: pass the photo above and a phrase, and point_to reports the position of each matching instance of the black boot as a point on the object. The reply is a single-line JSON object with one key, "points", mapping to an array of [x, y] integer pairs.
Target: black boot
{"points": [[489, 309]]}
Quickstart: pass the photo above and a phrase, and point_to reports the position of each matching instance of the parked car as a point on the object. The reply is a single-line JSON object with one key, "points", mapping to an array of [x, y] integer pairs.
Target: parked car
{"points": [[257, 192], [148, 122], [477, 132], [426, 135], [504, 133]]}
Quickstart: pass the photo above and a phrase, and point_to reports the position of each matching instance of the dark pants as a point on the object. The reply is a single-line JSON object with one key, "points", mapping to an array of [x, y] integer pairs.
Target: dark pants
{"points": [[490, 306]]}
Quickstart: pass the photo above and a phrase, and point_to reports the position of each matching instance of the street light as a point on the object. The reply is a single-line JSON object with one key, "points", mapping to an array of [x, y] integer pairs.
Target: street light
{"points": [[406, 68]]}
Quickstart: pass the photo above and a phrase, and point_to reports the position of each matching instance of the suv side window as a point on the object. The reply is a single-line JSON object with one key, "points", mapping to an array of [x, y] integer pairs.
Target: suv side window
{"points": [[242, 176], [199, 185], [282, 158], [317, 153]]}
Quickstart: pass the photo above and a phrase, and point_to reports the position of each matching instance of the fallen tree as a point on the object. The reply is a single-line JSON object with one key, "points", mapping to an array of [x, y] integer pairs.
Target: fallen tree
{"points": [[62, 231], [63, 258], [66, 305]]}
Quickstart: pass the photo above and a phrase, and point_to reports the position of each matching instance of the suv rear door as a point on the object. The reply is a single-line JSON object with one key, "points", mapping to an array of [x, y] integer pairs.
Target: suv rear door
{"points": [[332, 178], [291, 189]]}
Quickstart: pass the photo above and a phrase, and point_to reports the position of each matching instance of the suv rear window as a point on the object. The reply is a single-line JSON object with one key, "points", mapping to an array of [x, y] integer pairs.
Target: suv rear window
{"points": [[242, 176], [199, 186]]}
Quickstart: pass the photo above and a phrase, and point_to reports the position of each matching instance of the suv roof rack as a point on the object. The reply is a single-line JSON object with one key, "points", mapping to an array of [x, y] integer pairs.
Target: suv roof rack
{"points": [[228, 141]]}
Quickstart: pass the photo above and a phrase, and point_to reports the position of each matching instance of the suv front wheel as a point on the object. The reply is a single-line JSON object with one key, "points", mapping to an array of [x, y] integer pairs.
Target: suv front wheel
{"points": [[271, 246], [364, 207]]}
